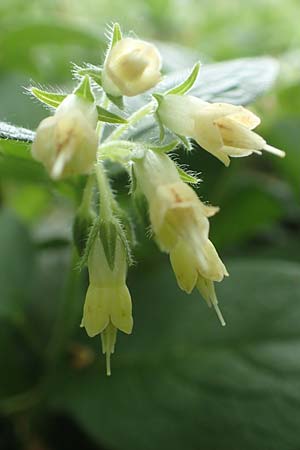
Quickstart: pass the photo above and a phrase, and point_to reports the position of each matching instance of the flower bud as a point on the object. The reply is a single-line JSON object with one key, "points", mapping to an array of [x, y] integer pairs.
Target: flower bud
{"points": [[131, 68], [66, 143], [107, 305], [222, 129]]}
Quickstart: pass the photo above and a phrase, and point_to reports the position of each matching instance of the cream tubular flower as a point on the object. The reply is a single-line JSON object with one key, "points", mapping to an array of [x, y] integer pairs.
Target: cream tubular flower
{"points": [[131, 67], [180, 223], [107, 305], [66, 143], [222, 129]]}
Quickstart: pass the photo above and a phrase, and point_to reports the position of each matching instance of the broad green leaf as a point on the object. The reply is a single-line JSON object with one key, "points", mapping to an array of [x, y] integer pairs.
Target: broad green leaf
{"points": [[16, 162], [84, 89], [187, 84], [108, 236], [109, 117], [183, 381], [52, 99]]}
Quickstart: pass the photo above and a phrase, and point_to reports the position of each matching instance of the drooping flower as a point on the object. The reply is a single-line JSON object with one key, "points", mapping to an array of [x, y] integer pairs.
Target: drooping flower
{"points": [[66, 143], [131, 67], [107, 305], [180, 224], [222, 129]]}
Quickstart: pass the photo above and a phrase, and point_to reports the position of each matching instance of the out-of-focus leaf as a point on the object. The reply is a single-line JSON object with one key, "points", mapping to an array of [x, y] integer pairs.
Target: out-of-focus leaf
{"points": [[285, 135], [247, 208], [238, 82], [16, 265], [182, 381], [22, 44], [16, 163]]}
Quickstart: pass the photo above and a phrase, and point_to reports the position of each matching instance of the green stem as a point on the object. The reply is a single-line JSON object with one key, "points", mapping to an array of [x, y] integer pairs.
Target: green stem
{"points": [[87, 195], [136, 117], [105, 102], [105, 193]]}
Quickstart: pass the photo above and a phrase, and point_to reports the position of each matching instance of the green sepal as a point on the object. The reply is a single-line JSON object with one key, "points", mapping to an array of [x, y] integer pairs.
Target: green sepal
{"points": [[52, 99], [109, 117], [188, 83], [123, 237], [160, 126], [81, 227], [187, 177], [94, 72], [117, 101], [116, 35], [84, 89], [133, 180], [165, 148], [187, 143], [94, 229], [159, 98], [108, 235]]}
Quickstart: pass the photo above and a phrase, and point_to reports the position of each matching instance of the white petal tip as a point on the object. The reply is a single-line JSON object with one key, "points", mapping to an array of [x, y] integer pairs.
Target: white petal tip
{"points": [[108, 368], [219, 314], [274, 151]]}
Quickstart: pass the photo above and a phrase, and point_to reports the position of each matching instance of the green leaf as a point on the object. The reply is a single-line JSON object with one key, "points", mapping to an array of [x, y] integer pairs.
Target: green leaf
{"points": [[29, 38], [187, 84], [49, 98], [188, 177], [109, 117], [108, 236], [183, 381], [84, 89]]}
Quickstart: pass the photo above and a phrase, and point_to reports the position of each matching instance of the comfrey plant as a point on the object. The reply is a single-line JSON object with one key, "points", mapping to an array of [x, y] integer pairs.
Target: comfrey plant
{"points": [[88, 131]]}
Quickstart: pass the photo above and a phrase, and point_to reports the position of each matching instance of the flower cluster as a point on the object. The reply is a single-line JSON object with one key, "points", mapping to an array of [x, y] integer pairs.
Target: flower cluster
{"points": [[75, 141]]}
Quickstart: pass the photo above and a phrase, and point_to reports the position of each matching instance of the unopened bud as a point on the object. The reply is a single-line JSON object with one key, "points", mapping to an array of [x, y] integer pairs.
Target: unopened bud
{"points": [[131, 68]]}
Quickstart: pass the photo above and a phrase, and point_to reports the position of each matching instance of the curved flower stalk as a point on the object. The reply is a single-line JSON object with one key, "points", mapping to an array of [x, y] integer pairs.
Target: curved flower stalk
{"points": [[66, 143], [180, 224], [222, 129], [131, 67]]}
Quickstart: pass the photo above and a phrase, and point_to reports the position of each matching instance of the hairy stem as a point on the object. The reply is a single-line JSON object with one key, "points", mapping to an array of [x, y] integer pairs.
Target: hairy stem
{"points": [[133, 119]]}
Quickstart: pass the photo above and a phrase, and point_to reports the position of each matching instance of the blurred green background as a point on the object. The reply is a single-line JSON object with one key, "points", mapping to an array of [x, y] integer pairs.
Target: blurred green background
{"points": [[180, 381]]}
